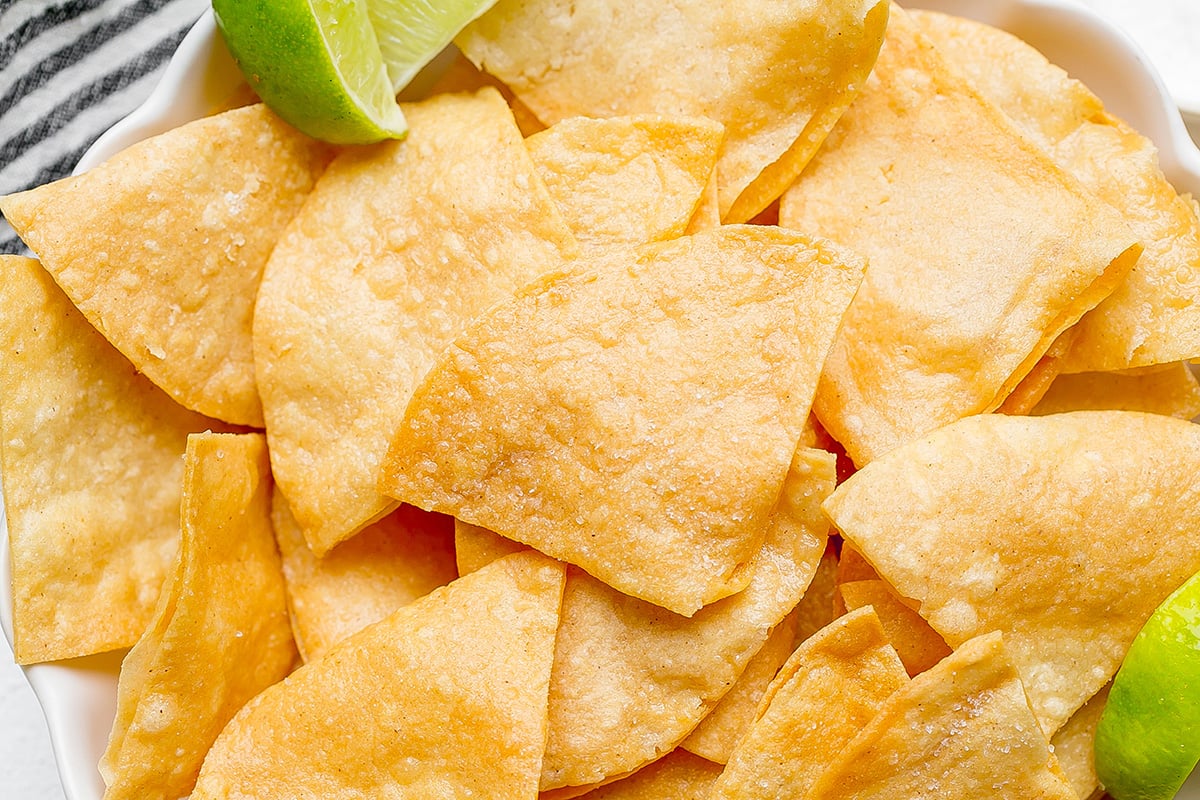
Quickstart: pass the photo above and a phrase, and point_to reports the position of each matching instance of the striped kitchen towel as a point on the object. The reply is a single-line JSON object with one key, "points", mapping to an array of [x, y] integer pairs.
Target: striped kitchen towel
{"points": [[71, 69]]}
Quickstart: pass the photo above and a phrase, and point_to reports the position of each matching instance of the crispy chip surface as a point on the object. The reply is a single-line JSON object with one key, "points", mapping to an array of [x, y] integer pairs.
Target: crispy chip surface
{"points": [[1064, 532], [981, 250], [445, 698], [163, 246], [961, 730], [220, 633], [1153, 316], [388, 564], [776, 75], [679, 775], [829, 689], [627, 180], [1172, 390], [918, 645], [400, 245], [1074, 746], [92, 461], [646, 403]]}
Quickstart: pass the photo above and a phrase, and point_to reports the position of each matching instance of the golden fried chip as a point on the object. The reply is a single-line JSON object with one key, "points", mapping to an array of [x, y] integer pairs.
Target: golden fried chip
{"points": [[918, 645], [1064, 532], [716, 735], [678, 775], [815, 609], [220, 634], [961, 730], [1153, 316], [777, 76], [708, 213], [475, 546], [1074, 746], [826, 692], [631, 679], [162, 247], [91, 454], [644, 402], [1172, 390], [981, 250], [410, 707], [399, 246], [627, 180], [388, 564], [463, 76]]}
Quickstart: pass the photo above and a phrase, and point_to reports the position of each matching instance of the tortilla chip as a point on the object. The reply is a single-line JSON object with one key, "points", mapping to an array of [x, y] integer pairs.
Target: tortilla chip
{"points": [[627, 180], [162, 247], [413, 696], [826, 692], [678, 775], [1172, 390], [708, 213], [961, 730], [1033, 387], [815, 609], [981, 250], [399, 246], [475, 547], [1153, 317], [1065, 532], [463, 76], [777, 76], [714, 738], [220, 633], [540, 422], [389, 564], [1074, 746], [91, 454], [918, 645]]}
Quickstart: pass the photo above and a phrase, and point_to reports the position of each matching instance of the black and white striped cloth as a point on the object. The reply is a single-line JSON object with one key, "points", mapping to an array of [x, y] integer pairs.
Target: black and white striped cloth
{"points": [[70, 69]]}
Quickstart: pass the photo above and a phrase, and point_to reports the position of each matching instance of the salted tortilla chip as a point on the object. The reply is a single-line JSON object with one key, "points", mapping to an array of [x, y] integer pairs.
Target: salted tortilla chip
{"points": [[92, 460], [961, 730], [627, 180], [400, 245], [716, 735], [631, 679], [1064, 532], [1172, 390], [1074, 746], [815, 609], [918, 645], [1033, 387], [475, 546], [220, 634], [162, 247], [610, 409], [389, 564], [407, 707], [981, 250], [1153, 316], [777, 76], [678, 775], [826, 692], [708, 212]]}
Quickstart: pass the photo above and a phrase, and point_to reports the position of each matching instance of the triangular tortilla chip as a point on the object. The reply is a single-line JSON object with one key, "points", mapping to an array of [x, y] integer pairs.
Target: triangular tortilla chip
{"points": [[981, 250], [1074, 746], [678, 775], [220, 633], [1153, 317], [162, 247], [609, 409], [407, 708], [830, 687], [388, 564], [777, 76], [399, 246], [627, 180], [815, 609], [92, 459], [1172, 390], [1064, 532], [917, 644], [961, 730], [631, 679]]}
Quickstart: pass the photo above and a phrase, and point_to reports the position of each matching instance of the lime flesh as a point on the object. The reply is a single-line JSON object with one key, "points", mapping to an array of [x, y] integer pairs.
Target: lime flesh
{"points": [[412, 32], [1148, 739]]}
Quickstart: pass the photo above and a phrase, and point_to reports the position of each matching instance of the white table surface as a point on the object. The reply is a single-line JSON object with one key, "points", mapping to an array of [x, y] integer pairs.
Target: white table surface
{"points": [[27, 770]]}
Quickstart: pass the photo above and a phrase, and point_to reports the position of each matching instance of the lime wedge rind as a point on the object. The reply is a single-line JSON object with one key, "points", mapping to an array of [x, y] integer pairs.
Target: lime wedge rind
{"points": [[1148, 738], [412, 32]]}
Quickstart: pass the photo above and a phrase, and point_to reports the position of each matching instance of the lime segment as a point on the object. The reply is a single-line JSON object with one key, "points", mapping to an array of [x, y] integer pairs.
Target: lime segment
{"points": [[316, 63], [412, 32], [1148, 739]]}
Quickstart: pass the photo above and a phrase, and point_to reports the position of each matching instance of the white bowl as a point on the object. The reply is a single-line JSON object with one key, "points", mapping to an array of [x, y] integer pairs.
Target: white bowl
{"points": [[79, 696]]}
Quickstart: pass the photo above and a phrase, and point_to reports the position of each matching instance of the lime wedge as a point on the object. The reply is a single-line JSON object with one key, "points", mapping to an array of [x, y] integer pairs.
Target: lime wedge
{"points": [[1148, 739], [332, 68]]}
